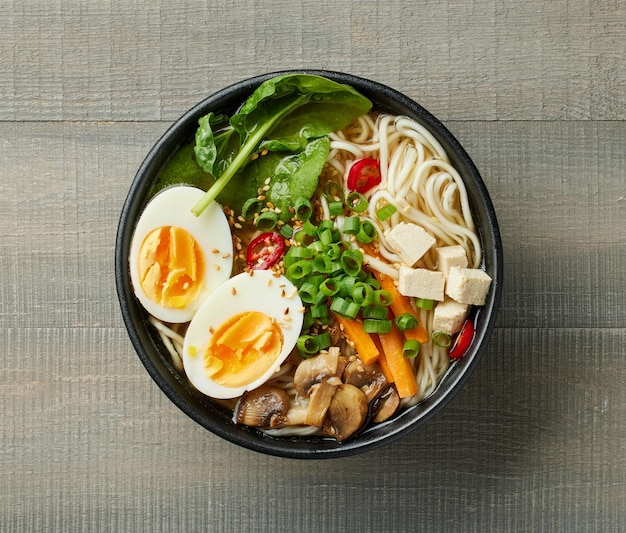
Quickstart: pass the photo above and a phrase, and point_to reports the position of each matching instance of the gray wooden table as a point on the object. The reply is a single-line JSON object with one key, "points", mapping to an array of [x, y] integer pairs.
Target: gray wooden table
{"points": [[536, 92]]}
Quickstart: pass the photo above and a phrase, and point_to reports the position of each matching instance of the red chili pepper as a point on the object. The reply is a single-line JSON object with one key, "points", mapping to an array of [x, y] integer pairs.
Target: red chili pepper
{"points": [[364, 174], [463, 340], [264, 251]]}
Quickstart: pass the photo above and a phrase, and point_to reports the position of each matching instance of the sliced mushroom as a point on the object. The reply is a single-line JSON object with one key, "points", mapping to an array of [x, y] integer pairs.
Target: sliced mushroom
{"points": [[314, 370], [370, 379], [320, 395], [265, 406], [296, 415], [346, 413], [385, 404]]}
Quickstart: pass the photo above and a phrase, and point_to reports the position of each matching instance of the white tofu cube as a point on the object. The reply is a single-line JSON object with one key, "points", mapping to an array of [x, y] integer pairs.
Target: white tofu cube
{"points": [[449, 256], [410, 241], [421, 283], [449, 316], [468, 285]]}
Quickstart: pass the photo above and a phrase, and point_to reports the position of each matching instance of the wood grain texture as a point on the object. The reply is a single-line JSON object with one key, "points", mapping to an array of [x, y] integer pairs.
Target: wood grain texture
{"points": [[534, 442], [482, 60]]}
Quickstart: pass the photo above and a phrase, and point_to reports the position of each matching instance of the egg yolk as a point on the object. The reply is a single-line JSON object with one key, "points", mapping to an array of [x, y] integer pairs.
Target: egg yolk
{"points": [[243, 348], [171, 267]]}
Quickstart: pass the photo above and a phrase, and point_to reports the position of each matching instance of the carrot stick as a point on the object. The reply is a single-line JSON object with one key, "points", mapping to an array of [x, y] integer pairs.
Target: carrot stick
{"points": [[401, 304], [363, 343], [399, 367]]}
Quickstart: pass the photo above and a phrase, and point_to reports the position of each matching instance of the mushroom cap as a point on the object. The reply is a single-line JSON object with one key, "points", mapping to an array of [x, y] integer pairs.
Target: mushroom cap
{"points": [[313, 370], [265, 406], [385, 404], [370, 379], [346, 413]]}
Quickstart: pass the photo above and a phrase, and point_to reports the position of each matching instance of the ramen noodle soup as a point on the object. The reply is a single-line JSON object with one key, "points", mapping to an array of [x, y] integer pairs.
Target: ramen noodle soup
{"points": [[333, 312]]}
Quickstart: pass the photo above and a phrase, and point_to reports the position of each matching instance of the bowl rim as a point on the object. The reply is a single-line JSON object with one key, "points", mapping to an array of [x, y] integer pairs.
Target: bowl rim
{"points": [[202, 410]]}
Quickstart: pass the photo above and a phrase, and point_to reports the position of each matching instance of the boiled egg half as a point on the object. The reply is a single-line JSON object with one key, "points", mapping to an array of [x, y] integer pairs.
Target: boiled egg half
{"points": [[242, 334], [177, 259]]}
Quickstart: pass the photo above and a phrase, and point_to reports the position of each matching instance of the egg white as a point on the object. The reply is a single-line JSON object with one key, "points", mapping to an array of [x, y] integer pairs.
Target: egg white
{"points": [[172, 207], [275, 296]]}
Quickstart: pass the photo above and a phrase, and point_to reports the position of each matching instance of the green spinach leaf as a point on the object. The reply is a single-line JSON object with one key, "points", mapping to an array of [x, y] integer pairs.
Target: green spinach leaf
{"points": [[283, 113]]}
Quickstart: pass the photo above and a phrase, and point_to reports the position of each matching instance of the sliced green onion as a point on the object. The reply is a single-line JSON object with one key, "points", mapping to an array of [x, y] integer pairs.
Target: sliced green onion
{"points": [[374, 311], [309, 229], [300, 236], [300, 252], [336, 268], [308, 291], [366, 233], [351, 225], [320, 298], [316, 247], [363, 294], [326, 320], [307, 321], [319, 311], [344, 307], [376, 326], [325, 224], [406, 321], [346, 286], [329, 287], [251, 207], [316, 279], [382, 297], [307, 345], [266, 221], [333, 190], [286, 231], [425, 303], [299, 270], [357, 202], [303, 209], [442, 339], [411, 348], [386, 212], [323, 340], [351, 262], [322, 263], [333, 250], [326, 237], [335, 208]]}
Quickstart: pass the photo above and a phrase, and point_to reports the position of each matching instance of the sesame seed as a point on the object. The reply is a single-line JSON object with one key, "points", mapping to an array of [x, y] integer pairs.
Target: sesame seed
{"points": [[215, 251], [226, 256], [254, 156], [211, 330], [269, 282], [265, 151], [238, 225], [216, 267], [233, 291], [286, 311]]}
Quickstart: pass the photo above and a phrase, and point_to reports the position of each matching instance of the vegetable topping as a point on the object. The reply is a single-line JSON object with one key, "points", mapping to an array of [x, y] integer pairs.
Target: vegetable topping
{"points": [[265, 251], [364, 174], [463, 340]]}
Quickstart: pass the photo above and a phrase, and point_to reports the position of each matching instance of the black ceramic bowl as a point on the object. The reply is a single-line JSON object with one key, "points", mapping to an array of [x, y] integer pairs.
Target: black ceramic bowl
{"points": [[211, 415]]}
